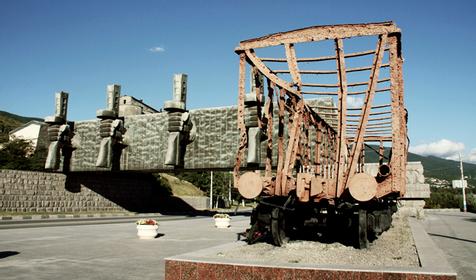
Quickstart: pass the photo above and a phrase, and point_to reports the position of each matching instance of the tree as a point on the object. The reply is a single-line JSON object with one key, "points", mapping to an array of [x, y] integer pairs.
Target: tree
{"points": [[221, 182], [19, 154]]}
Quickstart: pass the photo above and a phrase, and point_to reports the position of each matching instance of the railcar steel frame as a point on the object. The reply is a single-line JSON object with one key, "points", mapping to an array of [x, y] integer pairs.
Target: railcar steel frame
{"points": [[320, 160]]}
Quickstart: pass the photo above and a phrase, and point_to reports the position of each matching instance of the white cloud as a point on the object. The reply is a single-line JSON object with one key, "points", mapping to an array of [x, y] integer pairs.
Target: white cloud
{"points": [[472, 156], [157, 49], [354, 102], [443, 148]]}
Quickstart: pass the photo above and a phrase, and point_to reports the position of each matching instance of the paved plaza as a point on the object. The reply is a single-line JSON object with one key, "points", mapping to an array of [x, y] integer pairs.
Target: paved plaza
{"points": [[105, 251], [109, 249], [455, 234]]}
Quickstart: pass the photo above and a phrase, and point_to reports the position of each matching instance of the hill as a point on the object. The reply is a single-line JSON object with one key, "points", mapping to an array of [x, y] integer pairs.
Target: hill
{"points": [[180, 187], [9, 121]]}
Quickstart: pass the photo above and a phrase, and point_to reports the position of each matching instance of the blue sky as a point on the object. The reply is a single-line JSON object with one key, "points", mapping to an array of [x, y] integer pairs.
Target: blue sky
{"points": [[81, 46]]}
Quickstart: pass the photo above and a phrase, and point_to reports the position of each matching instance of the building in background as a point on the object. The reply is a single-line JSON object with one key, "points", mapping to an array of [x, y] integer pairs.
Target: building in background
{"points": [[30, 131], [457, 184], [129, 105]]}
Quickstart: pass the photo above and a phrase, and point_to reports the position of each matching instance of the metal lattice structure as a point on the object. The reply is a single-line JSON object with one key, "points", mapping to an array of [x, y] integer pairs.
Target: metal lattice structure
{"points": [[323, 160]]}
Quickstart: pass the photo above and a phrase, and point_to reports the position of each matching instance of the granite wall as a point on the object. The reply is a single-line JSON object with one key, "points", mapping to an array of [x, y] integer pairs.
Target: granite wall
{"points": [[27, 191]]}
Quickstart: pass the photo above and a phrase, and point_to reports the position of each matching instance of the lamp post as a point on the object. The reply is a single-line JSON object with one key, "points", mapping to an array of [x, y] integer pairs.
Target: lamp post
{"points": [[462, 182], [211, 189]]}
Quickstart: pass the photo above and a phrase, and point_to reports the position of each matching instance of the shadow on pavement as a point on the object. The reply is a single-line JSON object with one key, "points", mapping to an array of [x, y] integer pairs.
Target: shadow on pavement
{"points": [[134, 191], [6, 254], [450, 237], [471, 220]]}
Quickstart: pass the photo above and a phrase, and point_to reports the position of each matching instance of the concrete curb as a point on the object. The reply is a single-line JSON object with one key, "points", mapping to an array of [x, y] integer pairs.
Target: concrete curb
{"points": [[60, 217], [73, 216], [442, 210]]}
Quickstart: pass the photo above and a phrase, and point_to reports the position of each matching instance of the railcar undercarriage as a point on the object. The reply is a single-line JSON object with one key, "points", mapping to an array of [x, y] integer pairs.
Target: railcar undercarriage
{"points": [[305, 160]]}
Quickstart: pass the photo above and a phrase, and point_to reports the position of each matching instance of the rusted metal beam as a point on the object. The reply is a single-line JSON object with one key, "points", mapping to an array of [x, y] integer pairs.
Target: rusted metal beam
{"points": [[371, 114], [399, 145], [371, 124], [359, 138], [319, 33], [267, 72], [269, 128], [373, 107], [241, 120], [317, 59], [337, 85], [342, 109], [328, 72], [371, 119], [292, 65], [364, 92], [281, 101]]}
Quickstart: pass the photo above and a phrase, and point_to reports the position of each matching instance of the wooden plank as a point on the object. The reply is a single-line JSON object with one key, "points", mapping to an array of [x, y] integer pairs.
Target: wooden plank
{"points": [[318, 33]]}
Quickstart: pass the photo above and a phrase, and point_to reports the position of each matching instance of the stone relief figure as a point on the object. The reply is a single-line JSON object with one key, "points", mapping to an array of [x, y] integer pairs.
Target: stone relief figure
{"points": [[60, 133], [180, 125], [111, 130]]}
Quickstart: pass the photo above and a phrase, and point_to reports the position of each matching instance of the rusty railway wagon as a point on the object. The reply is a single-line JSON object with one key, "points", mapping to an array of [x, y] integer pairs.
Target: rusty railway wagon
{"points": [[312, 175]]}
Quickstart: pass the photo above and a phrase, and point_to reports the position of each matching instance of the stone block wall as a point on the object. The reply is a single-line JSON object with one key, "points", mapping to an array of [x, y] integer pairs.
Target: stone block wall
{"points": [[27, 191], [412, 202], [146, 137]]}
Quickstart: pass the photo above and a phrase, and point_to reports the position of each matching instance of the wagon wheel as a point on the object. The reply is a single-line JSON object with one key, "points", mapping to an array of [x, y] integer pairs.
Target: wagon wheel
{"points": [[278, 227], [363, 241], [254, 234]]}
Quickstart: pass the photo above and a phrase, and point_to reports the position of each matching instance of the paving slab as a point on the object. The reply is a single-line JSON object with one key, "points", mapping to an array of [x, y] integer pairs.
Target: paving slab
{"points": [[455, 234], [105, 251]]}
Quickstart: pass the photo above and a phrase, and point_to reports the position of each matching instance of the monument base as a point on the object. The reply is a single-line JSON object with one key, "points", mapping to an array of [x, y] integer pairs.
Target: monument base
{"points": [[200, 265]]}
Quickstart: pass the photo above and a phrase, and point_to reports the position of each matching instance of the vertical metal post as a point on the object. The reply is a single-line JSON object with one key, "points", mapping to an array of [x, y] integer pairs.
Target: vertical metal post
{"points": [[211, 189], [229, 188], [462, 182]]}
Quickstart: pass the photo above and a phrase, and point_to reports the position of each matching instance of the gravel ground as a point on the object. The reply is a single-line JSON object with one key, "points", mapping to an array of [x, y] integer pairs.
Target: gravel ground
{"points": [[394, 248]]}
